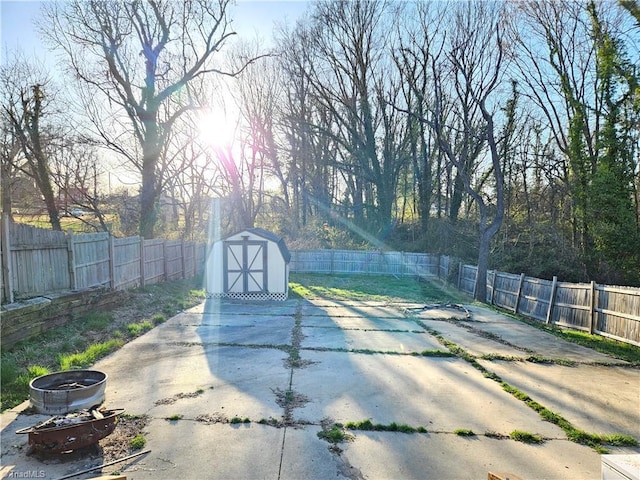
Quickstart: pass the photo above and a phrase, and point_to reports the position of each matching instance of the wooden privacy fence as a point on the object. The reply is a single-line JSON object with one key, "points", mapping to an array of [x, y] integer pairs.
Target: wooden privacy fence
{"points": [[609, 311], [36, 261], [369, 262]]}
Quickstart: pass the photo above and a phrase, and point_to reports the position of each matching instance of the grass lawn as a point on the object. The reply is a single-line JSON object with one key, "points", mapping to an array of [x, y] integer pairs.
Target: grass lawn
{"points": [[370, 287]]}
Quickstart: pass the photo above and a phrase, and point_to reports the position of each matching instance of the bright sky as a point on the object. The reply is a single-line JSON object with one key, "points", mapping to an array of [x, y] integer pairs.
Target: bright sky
{"points": [[251, 18]]}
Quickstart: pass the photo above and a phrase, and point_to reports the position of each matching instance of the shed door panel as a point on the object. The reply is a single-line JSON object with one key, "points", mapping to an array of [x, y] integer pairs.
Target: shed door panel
{"points": [[245, 266]]}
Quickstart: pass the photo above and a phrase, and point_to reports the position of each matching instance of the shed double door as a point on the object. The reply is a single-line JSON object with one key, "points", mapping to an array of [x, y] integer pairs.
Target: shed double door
{"points": [[245, 266]]}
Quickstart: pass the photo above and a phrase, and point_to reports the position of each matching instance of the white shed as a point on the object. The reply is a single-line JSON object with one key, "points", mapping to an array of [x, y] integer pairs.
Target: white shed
{"points": [[252, 264]]}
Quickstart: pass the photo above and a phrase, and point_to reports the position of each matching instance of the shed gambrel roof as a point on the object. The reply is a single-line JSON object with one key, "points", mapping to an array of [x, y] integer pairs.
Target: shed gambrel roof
{"points": [[267, 235]]}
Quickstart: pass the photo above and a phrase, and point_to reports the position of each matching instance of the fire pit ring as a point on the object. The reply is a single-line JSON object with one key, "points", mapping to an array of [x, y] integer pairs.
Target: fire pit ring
{"points": [[64, 392]]}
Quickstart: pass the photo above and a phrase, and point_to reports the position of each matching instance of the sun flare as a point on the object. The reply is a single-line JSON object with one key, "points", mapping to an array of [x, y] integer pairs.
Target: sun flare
{"points": [[216, 129]]}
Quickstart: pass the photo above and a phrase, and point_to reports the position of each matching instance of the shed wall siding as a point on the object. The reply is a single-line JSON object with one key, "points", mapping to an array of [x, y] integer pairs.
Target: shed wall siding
{"points": [[277, 267]]}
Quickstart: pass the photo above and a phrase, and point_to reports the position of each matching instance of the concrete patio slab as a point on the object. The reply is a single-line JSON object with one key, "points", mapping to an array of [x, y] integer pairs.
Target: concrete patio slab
{"points": [[387, 455], [353, 309], [363, 323], [596, 399], [191, 450], [245, 307], [470, 341], [228, 375], [189, 328], [542, 343], [379, 341], [440, 394]]}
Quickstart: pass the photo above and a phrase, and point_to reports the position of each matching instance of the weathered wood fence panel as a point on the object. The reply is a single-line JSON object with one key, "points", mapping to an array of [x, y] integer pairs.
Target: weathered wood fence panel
{"points": [[365, 262], [534, 298], [126, 263], [612, 312], [617, 312], [572, 306], [90, 260], [467, 279], [189, 258], [502, 286], [174, 267], [154, 261], [38, 261]]}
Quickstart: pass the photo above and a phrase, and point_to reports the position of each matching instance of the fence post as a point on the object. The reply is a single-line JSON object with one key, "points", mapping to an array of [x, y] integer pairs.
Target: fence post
{"points": [[493, 286], [165, 262], [515, 309], [552, 297], [475, 285], [112, 263], [72, 262], [592, 308], [184, 271], [459, 275], [142, 261], [7, 270], [331, 262]]}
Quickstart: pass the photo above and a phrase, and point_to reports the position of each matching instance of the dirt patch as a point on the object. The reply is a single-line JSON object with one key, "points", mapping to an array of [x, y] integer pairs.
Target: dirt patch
{"points": [[117, 445], [209, 418], [178, 396]]}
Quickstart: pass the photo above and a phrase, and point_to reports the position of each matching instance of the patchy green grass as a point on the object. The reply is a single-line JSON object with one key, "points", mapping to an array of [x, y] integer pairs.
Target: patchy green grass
{"points": [[369, 287], [158, 318], [97, 320], [623, 351], [137, 329], [464, 432], [89, 356]]}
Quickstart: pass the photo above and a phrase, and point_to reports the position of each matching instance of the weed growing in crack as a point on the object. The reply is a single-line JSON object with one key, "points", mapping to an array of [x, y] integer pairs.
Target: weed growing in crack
{"points": [[368, 425], [491, 434], [295, 360], [464, 432], [334, 434], [436, 353], [553, 361], [274, 422], [526, 437], [240, 420], [174, 418], [138, 442]]}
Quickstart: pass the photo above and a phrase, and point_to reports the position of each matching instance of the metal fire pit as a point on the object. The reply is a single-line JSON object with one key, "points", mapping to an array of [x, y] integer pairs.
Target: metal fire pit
{"points": [[71, 432], [63, 392]]}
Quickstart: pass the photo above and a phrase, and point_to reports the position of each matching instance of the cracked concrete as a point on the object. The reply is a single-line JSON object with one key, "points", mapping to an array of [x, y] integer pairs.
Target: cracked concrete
{"points": [[289, 366]]}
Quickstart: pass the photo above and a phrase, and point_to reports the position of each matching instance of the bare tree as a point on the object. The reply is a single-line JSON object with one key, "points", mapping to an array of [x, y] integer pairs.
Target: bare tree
{"points": [[312, 165], [474, 62], [349, 74], [414, 56], [140, 56], [77, 172], [10, 152], [27, 108]]}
